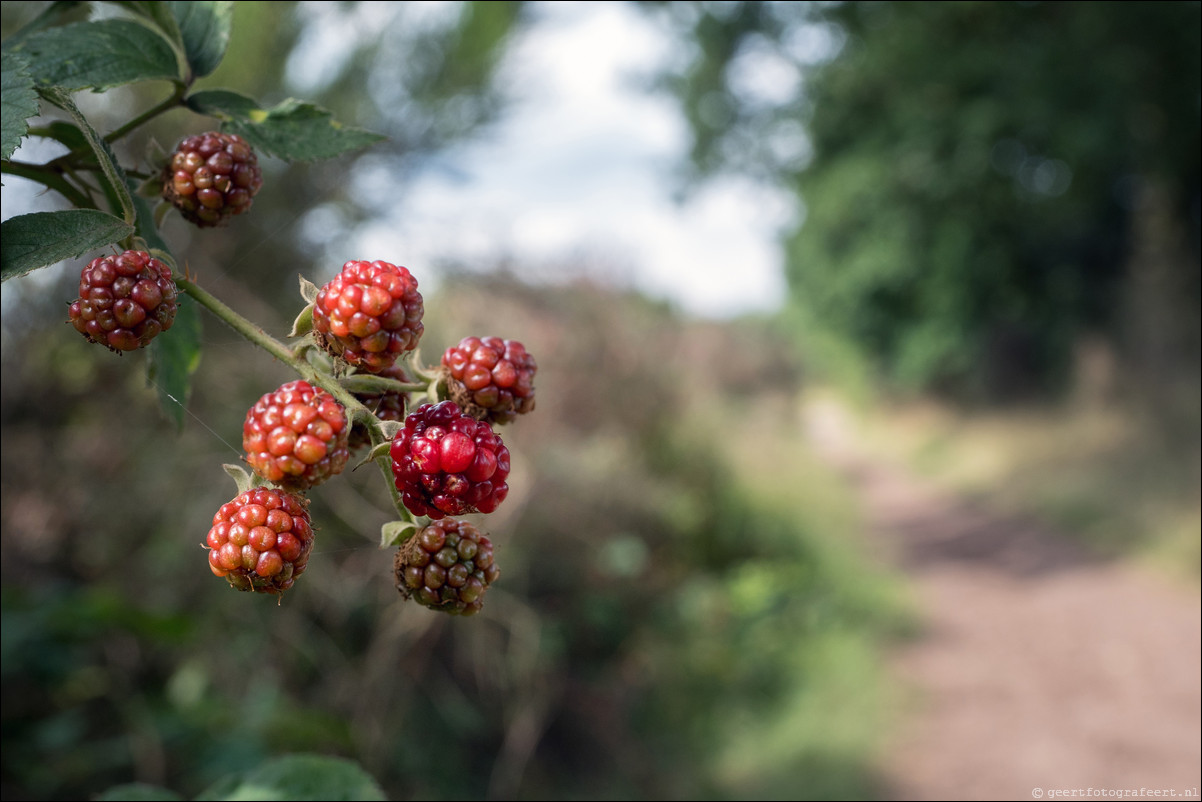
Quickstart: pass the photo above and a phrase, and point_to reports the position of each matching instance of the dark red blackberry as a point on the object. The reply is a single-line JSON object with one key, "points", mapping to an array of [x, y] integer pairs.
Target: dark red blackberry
{"points": [[448, 463]]}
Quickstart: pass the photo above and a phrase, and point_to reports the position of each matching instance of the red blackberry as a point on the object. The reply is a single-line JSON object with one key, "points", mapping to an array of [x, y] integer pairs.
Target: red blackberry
{"points": [[212, 177], [446, 566], [260, 541], [448, 463], [296, 436], [369, 314], [125, 301], [490, 378], [385, 406]]}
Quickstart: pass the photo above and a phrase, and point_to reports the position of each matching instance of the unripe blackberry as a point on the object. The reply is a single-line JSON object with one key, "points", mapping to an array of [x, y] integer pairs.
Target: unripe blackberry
{"points": [[369, 314], [448, 463], [125, 301], [490, 378], [446, 566], [212, 177], [385, 406], [296, 436], [260, 541]]}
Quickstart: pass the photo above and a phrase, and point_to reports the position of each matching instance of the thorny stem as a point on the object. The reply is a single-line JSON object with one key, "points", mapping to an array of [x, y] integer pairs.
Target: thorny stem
{"points": [[355, 410]]}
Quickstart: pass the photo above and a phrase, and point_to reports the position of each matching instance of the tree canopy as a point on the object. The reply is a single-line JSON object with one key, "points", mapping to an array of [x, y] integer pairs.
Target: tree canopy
{"points": [[972, 174]]}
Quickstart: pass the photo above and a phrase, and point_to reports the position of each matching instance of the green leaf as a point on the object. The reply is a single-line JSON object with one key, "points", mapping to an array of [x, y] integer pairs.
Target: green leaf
{"points": [[98, 55], [139, 792], [59, 12], [159, 15], [66, 133], [205, 28], [42, 239], [117, 185], [18, 101], [299, 777], [174, 357], [293, 130]]}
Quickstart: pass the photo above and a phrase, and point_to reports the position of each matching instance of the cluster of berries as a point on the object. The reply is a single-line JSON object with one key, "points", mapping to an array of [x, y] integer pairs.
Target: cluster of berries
{"points": [[446, 457]]}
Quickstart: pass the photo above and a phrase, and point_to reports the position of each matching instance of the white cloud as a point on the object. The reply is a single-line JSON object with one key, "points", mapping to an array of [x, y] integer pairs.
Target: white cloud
{"points": [[584, 163]]}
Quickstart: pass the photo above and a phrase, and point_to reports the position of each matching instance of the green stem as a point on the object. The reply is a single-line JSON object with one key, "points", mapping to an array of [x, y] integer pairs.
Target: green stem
{"points": [[243, 326], [355, 410], [175, 100], [49, 177]]}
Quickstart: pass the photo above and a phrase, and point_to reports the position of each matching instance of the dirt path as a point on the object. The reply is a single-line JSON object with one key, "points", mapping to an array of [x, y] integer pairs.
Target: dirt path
{"points": [[1038, 668]]}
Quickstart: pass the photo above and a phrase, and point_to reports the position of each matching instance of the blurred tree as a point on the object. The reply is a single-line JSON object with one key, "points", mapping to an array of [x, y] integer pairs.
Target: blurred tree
{"points": [[983, 183]]}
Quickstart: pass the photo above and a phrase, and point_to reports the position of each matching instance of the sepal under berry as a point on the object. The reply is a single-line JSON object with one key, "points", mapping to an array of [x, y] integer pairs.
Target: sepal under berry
{"points": [[260, 540], [446, 566]]}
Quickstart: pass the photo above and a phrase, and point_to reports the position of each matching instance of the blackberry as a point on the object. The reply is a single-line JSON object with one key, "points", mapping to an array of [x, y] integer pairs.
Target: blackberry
{"points": [[448, 463], [447, 566], [369, 314], [260, 541], [296, 436], [125, 301], [212, 177], [490, 378]]}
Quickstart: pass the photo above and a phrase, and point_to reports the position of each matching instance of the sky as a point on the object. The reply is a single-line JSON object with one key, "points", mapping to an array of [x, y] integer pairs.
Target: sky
{"points": [[580, 174], [582, 170]]}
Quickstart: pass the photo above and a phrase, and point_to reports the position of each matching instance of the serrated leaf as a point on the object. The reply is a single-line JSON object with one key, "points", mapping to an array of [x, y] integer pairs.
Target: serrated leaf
{"points": [[293, 130], [18, 101], [98, 55], [116, 183], [138, 792], [205, 28], [299, 777], [394, 533], [174, 357], [41, 239]]}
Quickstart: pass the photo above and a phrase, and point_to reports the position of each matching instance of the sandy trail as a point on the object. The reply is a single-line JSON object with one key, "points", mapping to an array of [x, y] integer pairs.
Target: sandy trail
{"points": [[1038, 668]]}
